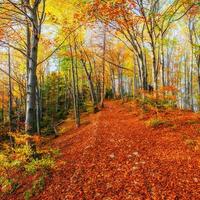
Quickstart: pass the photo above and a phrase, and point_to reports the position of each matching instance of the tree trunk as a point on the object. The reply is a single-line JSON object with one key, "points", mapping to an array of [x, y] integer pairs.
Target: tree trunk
{"points": [[30, 126], [10, 92], [163, 62], [91, 87], [112, 77], [103, 69], [75, 97], [198, 69], [155, 73], [38, 108]]}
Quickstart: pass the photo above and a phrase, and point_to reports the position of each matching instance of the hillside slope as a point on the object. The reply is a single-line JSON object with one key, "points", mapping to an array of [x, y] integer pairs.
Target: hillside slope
{"points": [[115, 155]]}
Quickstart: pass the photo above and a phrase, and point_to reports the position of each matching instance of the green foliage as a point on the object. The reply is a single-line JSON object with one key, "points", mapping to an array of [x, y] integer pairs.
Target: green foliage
{"points": [[192, 143], [36, 188], [109, 94], [43, 164], [7, 163], [22, 160], [159, 100], [27, 195], [155, 122], [192, 122], [61, 114], [47, 131], [38, 185], [198, 100], [8, 185], [23, 152], [54, 87], [55, 152]]}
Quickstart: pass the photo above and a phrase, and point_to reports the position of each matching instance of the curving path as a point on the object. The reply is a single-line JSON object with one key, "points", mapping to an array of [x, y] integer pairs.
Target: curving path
{"points": [[114, 156]]}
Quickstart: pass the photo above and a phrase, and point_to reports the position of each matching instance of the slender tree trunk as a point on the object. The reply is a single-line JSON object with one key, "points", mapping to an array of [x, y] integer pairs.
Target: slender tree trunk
{"points": [[191, 28], [135, 77], [75, 96], [28, 48], [91, 87], [198, 71], [155, 73], [185, 83], [3, 101], [77, 83], [66, 88], [163, 62], [38, 108], [141, 83], [120, 83], [10, 92], [144, 73], [112, 77], [103, 69], [191, 83]]}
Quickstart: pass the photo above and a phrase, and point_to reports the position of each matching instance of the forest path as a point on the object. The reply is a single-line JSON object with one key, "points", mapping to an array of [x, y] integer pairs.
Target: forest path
{"points": [[114, 156]]}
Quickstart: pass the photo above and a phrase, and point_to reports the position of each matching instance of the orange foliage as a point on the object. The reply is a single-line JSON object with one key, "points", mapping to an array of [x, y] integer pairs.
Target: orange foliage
{"points": [[116, 156]]}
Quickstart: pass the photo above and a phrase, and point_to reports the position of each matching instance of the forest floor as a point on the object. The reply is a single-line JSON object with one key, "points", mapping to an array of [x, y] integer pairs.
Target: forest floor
{"points": [[116, 155]]}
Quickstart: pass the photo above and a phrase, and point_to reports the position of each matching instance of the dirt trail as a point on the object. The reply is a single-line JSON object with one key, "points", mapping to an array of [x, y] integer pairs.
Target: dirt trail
{"points": [[114, 156]]}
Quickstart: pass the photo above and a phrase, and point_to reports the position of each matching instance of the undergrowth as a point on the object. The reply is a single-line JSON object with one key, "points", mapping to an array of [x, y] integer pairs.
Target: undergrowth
{"points": [[36, 188], [155, 122], [154, 103], [192, 143], [23, 159], [158, 100]]}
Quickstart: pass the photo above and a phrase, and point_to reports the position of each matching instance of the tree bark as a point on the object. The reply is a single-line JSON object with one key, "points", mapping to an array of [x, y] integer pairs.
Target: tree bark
{"points": [[103, 69], [10, 92], [75, 95], [30, 124]]}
